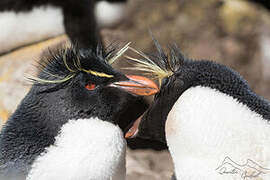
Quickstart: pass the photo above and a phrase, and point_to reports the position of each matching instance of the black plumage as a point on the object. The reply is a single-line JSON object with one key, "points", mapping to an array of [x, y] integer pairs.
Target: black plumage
{"points": [[59, 94]]}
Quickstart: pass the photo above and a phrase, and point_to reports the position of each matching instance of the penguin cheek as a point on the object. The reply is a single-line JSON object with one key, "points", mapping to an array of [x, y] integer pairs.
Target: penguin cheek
{"points": [[112, 95]]}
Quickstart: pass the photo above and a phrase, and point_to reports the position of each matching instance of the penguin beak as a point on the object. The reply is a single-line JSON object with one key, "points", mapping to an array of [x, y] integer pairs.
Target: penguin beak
{"points": [[133, 131], [137, 85]]}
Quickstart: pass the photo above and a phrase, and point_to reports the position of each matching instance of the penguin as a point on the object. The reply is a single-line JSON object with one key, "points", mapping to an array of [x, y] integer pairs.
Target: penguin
{"points": [[214, 125], [71, 124], [24, 22]]}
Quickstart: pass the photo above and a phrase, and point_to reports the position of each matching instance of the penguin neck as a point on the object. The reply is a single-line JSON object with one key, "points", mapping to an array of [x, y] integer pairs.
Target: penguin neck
{"points": [[205, 126], [83, 149]]}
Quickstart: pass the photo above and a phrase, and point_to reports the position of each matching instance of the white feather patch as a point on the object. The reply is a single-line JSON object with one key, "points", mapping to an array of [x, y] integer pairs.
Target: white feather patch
{"points": [[85, 149], [22, 28], [205, 126], [109, 14]]}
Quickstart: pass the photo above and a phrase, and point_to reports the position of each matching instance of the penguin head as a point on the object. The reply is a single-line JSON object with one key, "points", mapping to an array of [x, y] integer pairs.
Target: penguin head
{"points": [[176, 74], [76, 84]]}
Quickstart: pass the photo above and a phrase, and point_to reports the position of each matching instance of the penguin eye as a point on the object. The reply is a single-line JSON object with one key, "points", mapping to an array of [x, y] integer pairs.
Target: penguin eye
{"points": [[90, 86]]}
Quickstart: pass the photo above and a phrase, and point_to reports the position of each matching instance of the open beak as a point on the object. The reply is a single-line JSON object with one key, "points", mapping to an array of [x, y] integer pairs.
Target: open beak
{"points": [[137, 85]]}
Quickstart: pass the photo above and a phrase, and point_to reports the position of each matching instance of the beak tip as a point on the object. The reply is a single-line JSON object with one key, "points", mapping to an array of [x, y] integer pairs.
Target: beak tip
{"points": [[130, 135], [134, 130], [127, 135], [143, 86]]}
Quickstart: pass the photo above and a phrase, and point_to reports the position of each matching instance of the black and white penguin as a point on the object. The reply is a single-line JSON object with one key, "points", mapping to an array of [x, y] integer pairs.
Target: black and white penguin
{"points": [[71, 123], [23, 22], [215, 126]]}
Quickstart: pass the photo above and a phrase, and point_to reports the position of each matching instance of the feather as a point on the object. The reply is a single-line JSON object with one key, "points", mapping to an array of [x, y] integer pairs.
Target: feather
{"points": [[157, 66], [119, 53], [64, 63]]}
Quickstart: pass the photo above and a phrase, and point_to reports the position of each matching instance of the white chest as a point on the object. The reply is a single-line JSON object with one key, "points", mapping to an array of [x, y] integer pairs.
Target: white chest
{"points": [[86, 149], [205, 126], [17, 29]]}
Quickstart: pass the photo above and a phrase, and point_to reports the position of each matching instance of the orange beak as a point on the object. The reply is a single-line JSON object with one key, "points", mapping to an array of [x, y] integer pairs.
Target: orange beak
{"points": [[132, 132], [137, 85]]}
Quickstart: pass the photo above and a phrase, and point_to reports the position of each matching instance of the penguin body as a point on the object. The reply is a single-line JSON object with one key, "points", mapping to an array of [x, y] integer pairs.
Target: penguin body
{"points": [[74, 90], [211, 120], [24, 22]]}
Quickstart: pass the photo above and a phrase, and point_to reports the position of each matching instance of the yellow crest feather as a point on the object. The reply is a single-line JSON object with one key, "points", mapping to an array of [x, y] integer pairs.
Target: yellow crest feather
{"points": [[148, 66], [100, 74], [119, 53]]}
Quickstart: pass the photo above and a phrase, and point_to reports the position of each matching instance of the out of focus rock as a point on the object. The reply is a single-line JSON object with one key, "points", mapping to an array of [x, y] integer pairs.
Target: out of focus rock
{"points": [[236, 14], [14, 68], [148, 164]]}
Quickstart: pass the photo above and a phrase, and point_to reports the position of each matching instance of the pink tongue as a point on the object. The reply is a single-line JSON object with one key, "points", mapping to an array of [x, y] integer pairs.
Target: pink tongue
{"points": [[134, 129]]}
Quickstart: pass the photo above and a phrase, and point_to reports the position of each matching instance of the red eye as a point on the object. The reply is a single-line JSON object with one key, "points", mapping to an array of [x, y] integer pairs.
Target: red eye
{"points": [[90, 86]]}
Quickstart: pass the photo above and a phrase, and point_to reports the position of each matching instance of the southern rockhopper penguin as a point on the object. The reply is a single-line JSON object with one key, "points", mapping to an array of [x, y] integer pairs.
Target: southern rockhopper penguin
{"points": [[71, 123], [23, 22], [215, 126]]}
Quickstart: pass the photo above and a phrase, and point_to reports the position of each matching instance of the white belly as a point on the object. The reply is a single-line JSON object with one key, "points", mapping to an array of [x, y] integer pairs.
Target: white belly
{"points": [[110, 14], [87, 149], [17, 29], [206, 126]]}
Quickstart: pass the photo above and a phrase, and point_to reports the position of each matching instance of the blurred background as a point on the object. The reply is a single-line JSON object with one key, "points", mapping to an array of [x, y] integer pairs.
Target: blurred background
{"points": [[232, 32]]}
